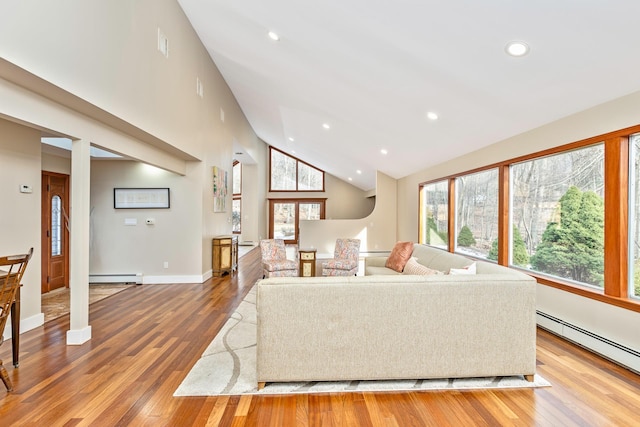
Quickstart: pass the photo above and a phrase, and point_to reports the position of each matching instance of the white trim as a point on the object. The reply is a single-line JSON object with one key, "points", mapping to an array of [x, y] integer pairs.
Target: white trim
{"points": [[163, 280], [78, 336], [605, 347], [25, 324], [31, 322]]}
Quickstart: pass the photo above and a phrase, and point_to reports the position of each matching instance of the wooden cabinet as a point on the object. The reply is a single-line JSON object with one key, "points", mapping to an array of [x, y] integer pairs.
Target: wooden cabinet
{"points": [[307, 262], [224, 254]]}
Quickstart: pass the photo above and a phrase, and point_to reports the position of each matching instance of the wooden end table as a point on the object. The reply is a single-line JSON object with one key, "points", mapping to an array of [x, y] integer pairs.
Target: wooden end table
{"points": [[307, 262]]}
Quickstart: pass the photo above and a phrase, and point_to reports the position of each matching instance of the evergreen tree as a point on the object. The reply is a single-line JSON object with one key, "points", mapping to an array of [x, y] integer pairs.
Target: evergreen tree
{"points": [[465, 237], [435, 237], [574, 247], [520, 255]]}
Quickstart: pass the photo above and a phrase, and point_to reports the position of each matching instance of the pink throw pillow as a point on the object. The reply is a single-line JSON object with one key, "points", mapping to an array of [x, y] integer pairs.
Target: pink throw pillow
{"points": [[399, 256]]}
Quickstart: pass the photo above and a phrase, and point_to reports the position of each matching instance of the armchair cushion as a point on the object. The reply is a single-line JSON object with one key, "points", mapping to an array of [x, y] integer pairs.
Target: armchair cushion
{"points": [[275, 265]]}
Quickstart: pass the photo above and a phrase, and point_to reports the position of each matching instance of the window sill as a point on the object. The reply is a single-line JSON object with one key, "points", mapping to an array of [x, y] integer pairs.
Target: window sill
{"points": [[598, 295]]}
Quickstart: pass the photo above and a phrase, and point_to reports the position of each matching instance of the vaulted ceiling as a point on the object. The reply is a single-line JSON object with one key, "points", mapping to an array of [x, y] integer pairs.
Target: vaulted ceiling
{"points": [[373, 70]]}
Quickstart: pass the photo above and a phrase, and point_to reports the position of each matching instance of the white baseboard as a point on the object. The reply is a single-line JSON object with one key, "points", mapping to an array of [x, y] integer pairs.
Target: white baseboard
{"points": [[605, 347], [27, 324], [79, 336], [163, 280], [116, 278]]}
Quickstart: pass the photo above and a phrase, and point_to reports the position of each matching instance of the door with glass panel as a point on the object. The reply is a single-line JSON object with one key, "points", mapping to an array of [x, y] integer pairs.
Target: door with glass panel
{"points": [[285, 216], [55, 231]]}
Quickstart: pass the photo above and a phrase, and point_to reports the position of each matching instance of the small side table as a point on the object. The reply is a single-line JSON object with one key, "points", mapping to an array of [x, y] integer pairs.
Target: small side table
{"points": [[224, 255], [307, 262]]}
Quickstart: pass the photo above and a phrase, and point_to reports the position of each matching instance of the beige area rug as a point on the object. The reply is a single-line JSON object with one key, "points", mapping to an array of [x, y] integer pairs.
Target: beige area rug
{"points": [[56, 302], [228, 367]]}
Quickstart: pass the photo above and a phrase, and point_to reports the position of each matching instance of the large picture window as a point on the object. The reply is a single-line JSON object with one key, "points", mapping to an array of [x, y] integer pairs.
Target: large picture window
{"points": [[434, 200], [236, 205], [568, 215], [634, 215], [290, 174], [557, 213], [285, 216], [476, 212]]}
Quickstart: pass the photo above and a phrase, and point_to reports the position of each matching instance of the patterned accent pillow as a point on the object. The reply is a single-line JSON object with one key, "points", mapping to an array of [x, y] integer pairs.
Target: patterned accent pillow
{"points": [[413, 267], [470, 269], [399, 256]]}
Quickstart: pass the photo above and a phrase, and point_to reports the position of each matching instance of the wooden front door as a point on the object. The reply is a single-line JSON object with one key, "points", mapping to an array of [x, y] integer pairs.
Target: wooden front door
{"points": [[55, 231]]}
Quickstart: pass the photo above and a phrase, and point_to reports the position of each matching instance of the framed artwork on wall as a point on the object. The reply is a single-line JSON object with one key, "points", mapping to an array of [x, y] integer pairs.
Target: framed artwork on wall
{"points": [[141, 198], [219, 190]]}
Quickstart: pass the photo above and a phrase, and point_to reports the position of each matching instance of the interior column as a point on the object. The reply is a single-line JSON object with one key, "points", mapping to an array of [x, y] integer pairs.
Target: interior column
{"points": [[80, 330]]}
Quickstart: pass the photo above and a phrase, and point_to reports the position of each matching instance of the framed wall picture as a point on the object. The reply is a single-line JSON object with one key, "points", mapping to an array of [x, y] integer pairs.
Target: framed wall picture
{"points": [[141, 198], [219, 190]]}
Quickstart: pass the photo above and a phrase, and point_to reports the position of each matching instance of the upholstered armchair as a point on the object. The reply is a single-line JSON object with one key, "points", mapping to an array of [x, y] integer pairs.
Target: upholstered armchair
{"points": [[274, 259], [345, 259]]}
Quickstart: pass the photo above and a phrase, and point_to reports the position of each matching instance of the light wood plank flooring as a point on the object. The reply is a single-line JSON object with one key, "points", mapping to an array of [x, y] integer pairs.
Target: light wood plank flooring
{"points": [[146, 339]]}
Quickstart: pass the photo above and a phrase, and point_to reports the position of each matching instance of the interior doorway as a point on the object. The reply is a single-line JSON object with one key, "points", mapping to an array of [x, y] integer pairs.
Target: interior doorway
{"points": [[55, 231]]}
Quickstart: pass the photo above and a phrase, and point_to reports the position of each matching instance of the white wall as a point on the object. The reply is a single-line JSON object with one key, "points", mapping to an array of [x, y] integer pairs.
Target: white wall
{"points": [[106, 53], [254, 193], [58, 164], [377, 231], [604, 319], [174, 238], [91, 71], [20, 212]]}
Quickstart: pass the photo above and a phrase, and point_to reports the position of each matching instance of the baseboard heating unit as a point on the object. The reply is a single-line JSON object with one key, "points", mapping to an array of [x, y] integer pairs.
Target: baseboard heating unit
{"points": [[116, 278], [614, 351]]}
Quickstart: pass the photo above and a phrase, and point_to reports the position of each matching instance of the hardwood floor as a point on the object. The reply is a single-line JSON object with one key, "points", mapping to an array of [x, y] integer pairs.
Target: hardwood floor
{"points": [[146, 339]]}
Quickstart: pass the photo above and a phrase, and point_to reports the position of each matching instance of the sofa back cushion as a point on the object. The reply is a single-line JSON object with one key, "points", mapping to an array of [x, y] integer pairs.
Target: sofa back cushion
{"points": [[439, 259]]}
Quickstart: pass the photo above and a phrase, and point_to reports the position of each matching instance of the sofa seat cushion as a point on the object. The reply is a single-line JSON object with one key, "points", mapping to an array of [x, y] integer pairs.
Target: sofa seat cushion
{"points": [[340, 264], [373, 270]]}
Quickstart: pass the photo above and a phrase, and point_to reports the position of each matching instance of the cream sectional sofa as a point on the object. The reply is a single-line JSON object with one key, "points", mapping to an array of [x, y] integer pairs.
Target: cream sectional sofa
{"points": [[395, 326]]}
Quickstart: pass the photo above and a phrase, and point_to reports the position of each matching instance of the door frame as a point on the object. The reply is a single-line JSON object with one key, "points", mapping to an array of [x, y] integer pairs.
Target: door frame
{"points": [[297, 202], [45, 221]]}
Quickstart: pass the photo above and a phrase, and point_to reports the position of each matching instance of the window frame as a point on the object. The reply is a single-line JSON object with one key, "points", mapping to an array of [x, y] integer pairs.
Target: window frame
{"points": [[297, 202], [296, 190], [236, 196], [616, 239]]}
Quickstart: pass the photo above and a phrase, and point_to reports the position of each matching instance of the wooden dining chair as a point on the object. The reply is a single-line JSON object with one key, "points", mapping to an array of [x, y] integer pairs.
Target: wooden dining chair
{"points": [[12, 268]]}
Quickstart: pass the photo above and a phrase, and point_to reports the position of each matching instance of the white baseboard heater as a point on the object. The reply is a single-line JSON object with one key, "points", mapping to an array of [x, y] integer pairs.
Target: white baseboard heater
{"points": [[614, 351], [116, 278]]}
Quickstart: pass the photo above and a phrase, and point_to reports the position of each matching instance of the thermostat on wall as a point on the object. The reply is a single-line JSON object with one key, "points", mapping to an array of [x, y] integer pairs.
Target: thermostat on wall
{"points": [[26, 188]]}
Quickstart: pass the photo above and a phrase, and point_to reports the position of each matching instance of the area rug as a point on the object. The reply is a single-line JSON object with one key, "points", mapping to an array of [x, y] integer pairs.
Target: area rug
{"points": [[228, 367], [56, 303]]}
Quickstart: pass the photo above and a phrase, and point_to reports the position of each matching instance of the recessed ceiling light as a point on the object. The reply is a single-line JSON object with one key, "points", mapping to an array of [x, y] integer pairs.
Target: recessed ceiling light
{"points": [[358, 171], [383, 151], [517, 48], [432, 116], [293, 151], [274, 36], [291, 139], [326, 126], [350, 179]]}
